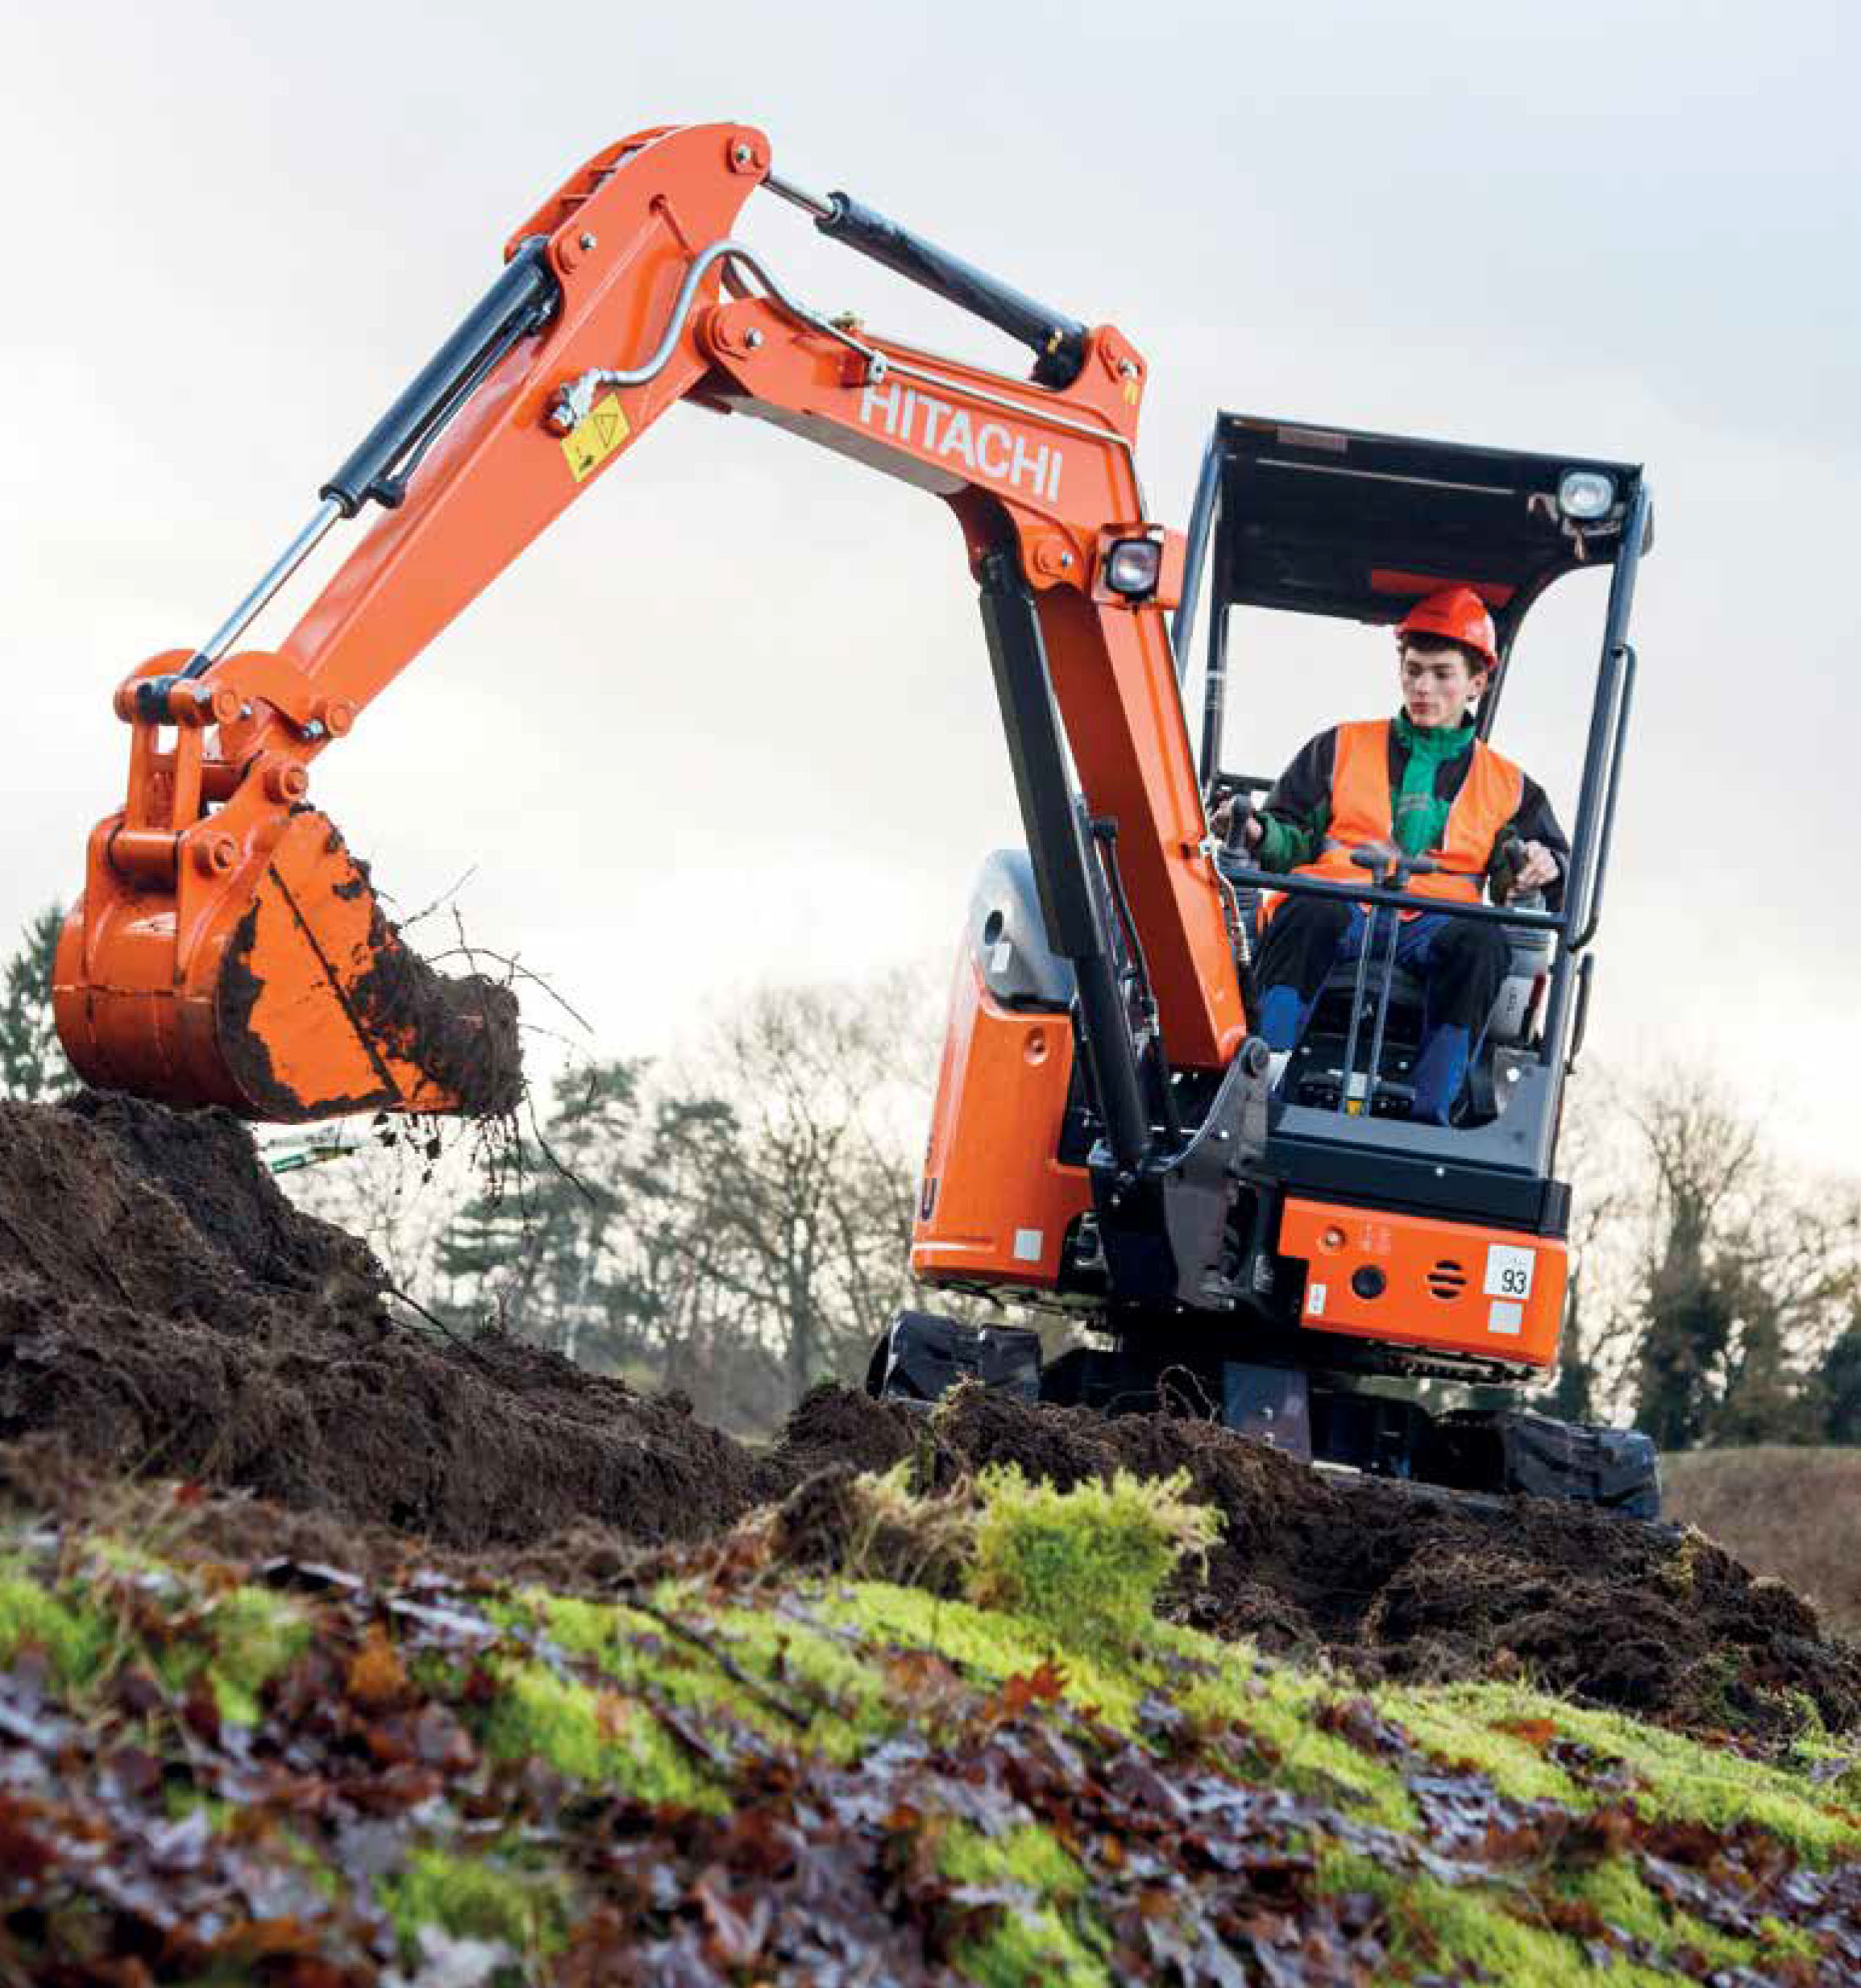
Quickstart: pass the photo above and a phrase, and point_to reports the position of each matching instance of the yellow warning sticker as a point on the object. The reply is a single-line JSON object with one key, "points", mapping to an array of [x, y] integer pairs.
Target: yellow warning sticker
{"points": [[590, 443]]}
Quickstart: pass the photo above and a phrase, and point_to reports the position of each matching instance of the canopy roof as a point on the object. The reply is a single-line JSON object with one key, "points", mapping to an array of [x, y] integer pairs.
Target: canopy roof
{"points": [[1333, 521]]}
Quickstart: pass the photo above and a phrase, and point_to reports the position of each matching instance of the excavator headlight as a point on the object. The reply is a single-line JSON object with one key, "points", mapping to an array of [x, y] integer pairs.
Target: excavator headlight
{"points": [[1132, 566], [1586, 494]]}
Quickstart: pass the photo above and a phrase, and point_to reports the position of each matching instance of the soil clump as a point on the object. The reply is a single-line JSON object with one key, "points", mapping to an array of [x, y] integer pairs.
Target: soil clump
{"points": [[165, 1312], [462, 1031]]}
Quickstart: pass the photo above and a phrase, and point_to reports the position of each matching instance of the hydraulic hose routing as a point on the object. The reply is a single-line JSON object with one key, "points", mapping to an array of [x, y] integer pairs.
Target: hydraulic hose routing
{"points": [[1068, 904]]}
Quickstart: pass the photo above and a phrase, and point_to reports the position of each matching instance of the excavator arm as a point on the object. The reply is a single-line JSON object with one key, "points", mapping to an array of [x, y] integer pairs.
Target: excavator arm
{"points": [[227, 949]]}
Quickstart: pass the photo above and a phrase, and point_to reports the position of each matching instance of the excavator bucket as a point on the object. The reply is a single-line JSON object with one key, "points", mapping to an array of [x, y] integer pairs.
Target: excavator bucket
{"points": [[275, 986]]}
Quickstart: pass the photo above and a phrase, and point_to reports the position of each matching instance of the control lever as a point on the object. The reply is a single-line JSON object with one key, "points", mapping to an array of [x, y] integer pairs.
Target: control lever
{"points": [[1390, 868], [1509, 860], [1241, 811]]}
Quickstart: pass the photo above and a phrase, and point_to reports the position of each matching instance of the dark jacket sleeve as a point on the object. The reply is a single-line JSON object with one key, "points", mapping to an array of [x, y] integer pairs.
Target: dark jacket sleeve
{"points": [[1295, 815], [1536, 822]]}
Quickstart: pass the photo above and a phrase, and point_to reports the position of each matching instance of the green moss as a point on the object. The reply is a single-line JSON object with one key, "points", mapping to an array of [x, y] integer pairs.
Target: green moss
{"points": [[469, 1897], [845, 1696], [1436, 1928], [180, 1802], [1683, 1778], [605, 1739], [1774, 1936], [1049, 1935], [240, 1638], [1029, 1856], [842, 1698], [986, 1646], [1231, 1686], [123, 1556], [1618, 1893], [1470, 1728], [256, 1634], [1276, 1704], [75, 1639], [1085, 1563]]}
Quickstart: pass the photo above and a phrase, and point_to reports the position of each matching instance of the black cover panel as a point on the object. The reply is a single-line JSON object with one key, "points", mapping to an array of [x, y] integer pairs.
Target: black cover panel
{"points": [[1515, 1451], [1340, 521]]}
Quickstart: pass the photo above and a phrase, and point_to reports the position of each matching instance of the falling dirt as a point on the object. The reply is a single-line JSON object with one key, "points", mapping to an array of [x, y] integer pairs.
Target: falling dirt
{"points": [[165, 1312]]}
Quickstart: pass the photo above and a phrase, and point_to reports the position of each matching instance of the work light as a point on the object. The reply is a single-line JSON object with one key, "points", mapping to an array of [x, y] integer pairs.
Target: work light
{"points": [[1586, 494], [1132, 567]]}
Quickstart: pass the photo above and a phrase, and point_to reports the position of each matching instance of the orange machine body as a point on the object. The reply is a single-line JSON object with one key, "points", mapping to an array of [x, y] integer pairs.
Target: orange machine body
{"points": [[1450, 1287], [228, 950], [997, 1202]]}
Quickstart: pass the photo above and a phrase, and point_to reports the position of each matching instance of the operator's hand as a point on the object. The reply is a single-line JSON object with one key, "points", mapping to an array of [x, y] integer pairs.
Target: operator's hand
{"points": [[1223, 814], [1539, 869]]}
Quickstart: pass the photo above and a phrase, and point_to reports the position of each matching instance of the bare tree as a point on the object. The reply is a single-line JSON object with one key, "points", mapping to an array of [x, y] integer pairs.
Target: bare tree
{"points": [[1711, 1280], [797, 1181]]}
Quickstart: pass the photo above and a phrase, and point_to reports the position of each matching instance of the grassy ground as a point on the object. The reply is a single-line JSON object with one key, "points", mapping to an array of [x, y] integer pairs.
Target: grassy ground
{"points": [[1793, 1514], [733, 1774]]}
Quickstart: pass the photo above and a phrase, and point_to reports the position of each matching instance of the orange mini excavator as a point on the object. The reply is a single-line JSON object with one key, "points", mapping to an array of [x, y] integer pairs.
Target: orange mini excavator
{"points": [[1107, 1138]]}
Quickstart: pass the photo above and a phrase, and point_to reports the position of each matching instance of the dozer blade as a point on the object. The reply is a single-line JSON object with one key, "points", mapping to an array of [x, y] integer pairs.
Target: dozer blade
{"points": [[279, 990]]}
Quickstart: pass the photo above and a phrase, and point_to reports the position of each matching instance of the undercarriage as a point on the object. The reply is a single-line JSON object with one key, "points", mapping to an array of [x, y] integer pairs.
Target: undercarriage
{"points": [[1321, 1414]]}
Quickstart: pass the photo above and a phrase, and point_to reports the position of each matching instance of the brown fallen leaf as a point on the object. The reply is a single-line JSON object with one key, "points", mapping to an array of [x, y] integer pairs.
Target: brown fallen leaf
{"points": [[377, 1678], [1538, 1733]]}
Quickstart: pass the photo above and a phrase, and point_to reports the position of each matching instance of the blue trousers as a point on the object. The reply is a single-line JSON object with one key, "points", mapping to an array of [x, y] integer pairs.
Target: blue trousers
{"points": [[1459, 962]]}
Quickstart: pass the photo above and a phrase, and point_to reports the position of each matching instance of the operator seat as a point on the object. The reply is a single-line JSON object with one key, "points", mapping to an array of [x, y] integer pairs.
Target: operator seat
{"points": [[1315, 1072]]}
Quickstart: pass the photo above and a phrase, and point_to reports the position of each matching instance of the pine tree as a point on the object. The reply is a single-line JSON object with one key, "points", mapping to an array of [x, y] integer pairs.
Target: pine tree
{"points": [[1841, 1388], [535, 1251], [32, 1063]]}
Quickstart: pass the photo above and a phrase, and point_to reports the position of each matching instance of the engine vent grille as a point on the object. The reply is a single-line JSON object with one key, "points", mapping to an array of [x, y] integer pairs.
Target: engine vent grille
{"points": [[1447, 1279]]}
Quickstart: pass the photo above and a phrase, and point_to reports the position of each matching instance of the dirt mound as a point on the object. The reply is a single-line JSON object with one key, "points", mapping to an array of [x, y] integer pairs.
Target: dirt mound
{"points": [[1395, 1581], [164, 1308]]}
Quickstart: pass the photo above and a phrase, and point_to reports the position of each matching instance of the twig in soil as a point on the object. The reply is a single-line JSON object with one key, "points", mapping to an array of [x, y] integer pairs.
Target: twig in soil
{"points": [[728, 1665], [512, 966], [439, 1325]]}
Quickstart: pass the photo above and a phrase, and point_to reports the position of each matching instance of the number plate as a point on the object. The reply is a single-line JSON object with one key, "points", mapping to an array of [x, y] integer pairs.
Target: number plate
{"points": [[1509, 1271]]}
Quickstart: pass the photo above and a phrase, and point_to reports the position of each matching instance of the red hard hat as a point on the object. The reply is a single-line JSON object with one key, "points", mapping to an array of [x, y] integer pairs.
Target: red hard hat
{"points": [[1458, 613]]}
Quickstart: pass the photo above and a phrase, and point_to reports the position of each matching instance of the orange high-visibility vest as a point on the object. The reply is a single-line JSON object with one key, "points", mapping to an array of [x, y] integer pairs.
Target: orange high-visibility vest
{"points": [[1362, 811]]}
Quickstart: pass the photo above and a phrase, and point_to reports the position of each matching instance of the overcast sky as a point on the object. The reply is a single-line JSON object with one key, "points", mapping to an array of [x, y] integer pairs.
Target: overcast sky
{"points": [[731, 719]]}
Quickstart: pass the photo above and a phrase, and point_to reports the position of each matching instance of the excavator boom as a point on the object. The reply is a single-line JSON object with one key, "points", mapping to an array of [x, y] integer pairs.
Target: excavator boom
{"points": [[228, 949]]}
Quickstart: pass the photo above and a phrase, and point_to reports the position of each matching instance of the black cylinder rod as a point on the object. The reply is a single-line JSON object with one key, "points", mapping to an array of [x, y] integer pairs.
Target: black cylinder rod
{"points": [[520, 300], [1058, 340]]}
